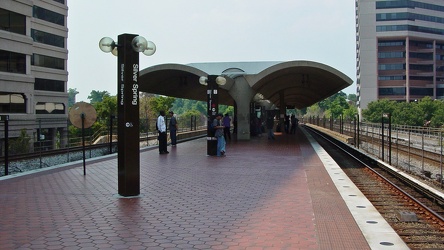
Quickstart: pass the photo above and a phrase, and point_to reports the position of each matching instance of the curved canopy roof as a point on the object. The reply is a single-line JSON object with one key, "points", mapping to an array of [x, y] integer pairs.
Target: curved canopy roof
{"points": [[300, 83], [179, 81]]}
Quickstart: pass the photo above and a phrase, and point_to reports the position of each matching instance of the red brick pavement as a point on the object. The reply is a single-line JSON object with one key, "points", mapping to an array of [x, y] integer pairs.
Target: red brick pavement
{"points": [[263, 195]]}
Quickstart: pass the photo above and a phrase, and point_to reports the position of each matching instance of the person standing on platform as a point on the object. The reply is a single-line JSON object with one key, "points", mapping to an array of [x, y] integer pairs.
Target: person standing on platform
{"points": [[173, 129], [287, 124], [227, 123], [219, 134], [270, 125], [293, 124], [161, 127]]}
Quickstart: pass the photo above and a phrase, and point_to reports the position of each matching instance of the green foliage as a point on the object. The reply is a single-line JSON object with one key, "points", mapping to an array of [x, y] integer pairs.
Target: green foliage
{"points": [[160, 103], [74, 131], [326, 103], [438, 117], [189, 113], [201, 107], [375, 109], [97, 96], [351, 112], [338, 105], [412, 113], [72, 96], [428, 107], [352, 98], [104, 109], [333, 106], [20, 145], [183, 105], [224, 109], [315, 110], [147, 116], [407, 114]]}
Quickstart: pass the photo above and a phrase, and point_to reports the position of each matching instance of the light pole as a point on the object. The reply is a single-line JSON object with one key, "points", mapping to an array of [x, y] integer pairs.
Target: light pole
{"points": [[212, 82], [128, 158]]}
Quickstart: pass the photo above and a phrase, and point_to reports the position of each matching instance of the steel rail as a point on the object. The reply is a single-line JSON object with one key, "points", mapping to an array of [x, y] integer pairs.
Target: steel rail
{"points": [[396, 175]]}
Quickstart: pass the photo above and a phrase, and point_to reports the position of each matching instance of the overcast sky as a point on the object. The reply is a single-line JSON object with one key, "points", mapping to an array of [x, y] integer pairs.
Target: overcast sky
{"points": [[193, 31]]}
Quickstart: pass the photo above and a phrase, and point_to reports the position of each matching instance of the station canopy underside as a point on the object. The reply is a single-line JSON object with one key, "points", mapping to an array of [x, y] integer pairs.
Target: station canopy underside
{"points": [[299, 83]]}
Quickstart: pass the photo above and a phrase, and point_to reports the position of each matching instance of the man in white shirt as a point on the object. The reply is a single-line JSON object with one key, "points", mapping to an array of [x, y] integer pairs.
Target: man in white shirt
{"points": [[161, 126]]}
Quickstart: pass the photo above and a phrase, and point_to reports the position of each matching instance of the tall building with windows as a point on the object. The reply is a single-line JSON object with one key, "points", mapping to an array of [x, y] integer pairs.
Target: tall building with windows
{"points": [[33, 66], [399, 50]]}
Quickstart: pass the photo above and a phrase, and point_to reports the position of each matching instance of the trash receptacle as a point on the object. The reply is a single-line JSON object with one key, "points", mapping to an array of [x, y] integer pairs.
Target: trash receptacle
{"points": [[212, 146]]}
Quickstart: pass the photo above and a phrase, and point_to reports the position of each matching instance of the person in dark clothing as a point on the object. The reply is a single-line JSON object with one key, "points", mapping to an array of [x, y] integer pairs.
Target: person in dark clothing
{"points": [[161, 126], [270, 125], [287, 124], [219, 134], [173, 129], [226, 121], [294, 124]]}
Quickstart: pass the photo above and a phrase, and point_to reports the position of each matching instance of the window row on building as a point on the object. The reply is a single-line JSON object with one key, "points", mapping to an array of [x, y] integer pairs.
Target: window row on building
{"points": [[404, 77], [407, 27], [408, 4], [401, 91], [16, 103], [406, 16]]}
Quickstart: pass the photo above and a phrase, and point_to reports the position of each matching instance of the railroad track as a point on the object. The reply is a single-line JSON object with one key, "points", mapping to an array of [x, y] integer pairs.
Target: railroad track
{"points": [[424, 162], [430, 157], [415, 211]]}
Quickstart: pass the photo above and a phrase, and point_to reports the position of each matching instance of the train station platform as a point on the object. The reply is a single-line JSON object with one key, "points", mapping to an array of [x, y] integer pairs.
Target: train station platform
{"points": [[264, 194]]}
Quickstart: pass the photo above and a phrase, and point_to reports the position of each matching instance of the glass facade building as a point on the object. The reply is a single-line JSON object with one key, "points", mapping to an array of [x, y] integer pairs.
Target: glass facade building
{"points": [[399, 50], [33, 65]]}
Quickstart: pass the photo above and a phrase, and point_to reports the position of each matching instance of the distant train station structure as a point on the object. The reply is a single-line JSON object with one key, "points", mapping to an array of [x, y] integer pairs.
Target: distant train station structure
{"points": [[272, 85]]}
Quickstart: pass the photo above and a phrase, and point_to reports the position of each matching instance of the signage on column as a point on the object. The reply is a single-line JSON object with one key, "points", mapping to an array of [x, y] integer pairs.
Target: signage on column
{"points": [[128, 118]]}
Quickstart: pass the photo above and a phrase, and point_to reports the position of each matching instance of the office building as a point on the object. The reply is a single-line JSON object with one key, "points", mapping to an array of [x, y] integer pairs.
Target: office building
{"points": [[33, 67], [399, 50]]}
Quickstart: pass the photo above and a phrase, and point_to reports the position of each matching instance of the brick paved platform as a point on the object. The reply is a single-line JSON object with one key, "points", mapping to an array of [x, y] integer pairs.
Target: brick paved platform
{"points": [[265, 194]]}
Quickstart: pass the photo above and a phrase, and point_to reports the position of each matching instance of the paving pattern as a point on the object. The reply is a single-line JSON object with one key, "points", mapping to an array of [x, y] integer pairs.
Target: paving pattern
{"points": [[265, 194]]}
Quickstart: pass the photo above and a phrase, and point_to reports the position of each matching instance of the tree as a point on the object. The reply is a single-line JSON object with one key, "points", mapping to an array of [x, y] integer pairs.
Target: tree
{"points": [[338, 106], [146, 113], [224, 109], [20, 145], [72, 97], [159, 103], [97, 96], [407, 114], [428, 107], [325, 104], [375, 109], [352, 98], [185, 118], [201, 107], [351, 112], [314, 110], [438, 116], [106, 108]]}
